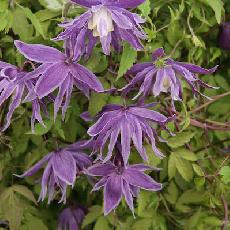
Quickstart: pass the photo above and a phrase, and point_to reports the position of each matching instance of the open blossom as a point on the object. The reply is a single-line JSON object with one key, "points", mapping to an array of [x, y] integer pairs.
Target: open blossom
{"points": [[71, 218], [130, 123], [58, 70], [11, 86], [107, 20], [119, 181], [62, 167], [163, 75]]}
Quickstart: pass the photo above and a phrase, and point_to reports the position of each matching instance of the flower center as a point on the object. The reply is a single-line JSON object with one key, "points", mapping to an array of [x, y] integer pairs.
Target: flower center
{"points": [[101, 22], [160, 63]]}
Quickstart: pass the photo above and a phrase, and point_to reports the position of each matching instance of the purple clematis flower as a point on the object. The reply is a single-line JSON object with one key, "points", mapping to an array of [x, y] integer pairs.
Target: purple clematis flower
{"points": [[71, 218], [224, 36], [163, 75], [119, 181], [11, 85], [107, 20], [62, 167], [60, 71], [131, 123]]}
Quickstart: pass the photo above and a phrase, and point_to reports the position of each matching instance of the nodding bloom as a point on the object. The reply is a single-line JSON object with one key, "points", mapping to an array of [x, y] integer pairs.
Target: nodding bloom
{"points": [[12, 86], [58, 70], [130, 123], [71, 218], [119, 181], [108, 20], [62, 168], [224, 36], [164, 75]]}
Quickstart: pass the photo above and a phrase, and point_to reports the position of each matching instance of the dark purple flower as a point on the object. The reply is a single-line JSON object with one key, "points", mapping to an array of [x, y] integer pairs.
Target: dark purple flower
{"points": [[119, 181], [60, 71], [131, 123], [71, 218], [62, 167], [107, 20], [11, 86], [224, 36], [163, 75]]}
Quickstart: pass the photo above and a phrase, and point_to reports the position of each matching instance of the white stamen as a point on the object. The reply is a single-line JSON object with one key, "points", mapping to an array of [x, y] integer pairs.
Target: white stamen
{"points": [[101, 22]]}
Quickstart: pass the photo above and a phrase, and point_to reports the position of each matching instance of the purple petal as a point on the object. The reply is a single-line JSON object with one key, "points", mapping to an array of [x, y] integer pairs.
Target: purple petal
{"points": [[101, 169], [142, 167], [158, 53], [128, 195], [64, 167], [39, 53], [112, 194], [121, 20], [139, 179], [36, 167], [148, 114], [101, 183], [51, 79], [106, 42], [84, 75], [139, 67], [124, 3], [87, 3], [125, 140]]}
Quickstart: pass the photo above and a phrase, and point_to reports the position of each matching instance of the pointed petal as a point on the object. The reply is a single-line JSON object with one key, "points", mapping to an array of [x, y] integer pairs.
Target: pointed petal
{"points": [[101, 169], [142, 167], [64, 167], [158, 53], [128, 195], [139, 179], [101, 183], [112, 194], [87, 3], [106, 42], [125, 140], [125, 3], [39, 53], [51, 79]]}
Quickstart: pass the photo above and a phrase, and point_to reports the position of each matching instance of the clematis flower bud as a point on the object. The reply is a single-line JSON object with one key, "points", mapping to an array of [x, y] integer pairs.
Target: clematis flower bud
{"points": [[224, 36]]}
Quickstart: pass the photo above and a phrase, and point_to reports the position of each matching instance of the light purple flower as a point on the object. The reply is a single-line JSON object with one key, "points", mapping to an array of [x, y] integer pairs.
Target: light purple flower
{"points": [[58, 70], [119, 181], [71, 218], [107, 20], [62, 167], [163, 75], [131, 123], [12, 86]]}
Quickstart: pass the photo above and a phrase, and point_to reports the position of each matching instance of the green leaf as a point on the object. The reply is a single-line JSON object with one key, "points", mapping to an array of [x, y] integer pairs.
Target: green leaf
{"points": [[40, 129], [128, 57], [24, 191], [217, 6], [180, 139], [191, 197], [144, 224], [54, 5], [102, 223], [225, 173], [172, 193], [94, 213], [32, 222], [145, 8], [34, 20], [186, 154], [172, 166], [198, 170]]}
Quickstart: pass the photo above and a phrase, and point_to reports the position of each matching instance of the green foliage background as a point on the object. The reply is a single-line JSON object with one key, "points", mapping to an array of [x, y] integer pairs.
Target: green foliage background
{"points": [[195, 172]]}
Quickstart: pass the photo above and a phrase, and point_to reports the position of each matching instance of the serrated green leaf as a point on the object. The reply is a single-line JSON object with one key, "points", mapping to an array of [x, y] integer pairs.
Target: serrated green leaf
{"points": [[180, 139], [94, 213], [171, 166], [145, 223], [186, 154], [128, 57], [145, 8], [32, 222], [225, 173], [172, 193], [102, 223]]}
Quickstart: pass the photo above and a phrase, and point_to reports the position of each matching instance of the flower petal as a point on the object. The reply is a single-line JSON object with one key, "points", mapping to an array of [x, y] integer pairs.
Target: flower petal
{"points": [[51, 79], [87, 3], [64, 166], [100, 184], [139, 179], [158, 53], [112, 194], [101, 169], [39, 53], [125, 3], [128, 195], [125, 140]]}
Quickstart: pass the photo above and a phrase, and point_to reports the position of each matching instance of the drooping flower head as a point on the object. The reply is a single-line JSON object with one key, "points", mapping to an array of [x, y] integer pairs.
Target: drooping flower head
{"points": [[62, 167], [58, 70], [119, 181], [71, 218], [164, 75], [127, 123], [224, 36], [12, 86], [108, 20]]}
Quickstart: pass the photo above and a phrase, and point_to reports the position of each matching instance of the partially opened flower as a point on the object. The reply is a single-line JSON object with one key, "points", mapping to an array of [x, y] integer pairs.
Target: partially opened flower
{"points": [[107, 20], [119, 181], [12, 86], [71, 218], [224, 36], [131, 123], [62, 167], [58, 70], [164, 75]]}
